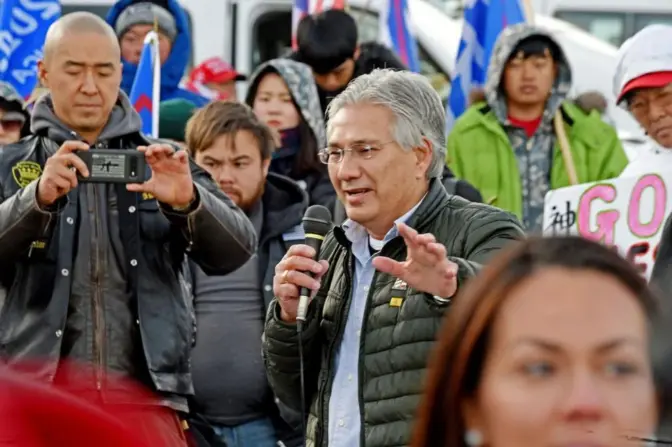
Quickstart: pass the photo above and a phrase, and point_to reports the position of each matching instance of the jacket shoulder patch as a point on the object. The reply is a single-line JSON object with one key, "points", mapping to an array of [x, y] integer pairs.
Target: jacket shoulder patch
{"points": [[25, 172]]}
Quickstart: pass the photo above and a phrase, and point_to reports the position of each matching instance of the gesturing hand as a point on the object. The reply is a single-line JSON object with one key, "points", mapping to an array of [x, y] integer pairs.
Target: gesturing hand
{"points": [[171, 181], [426, 267]]}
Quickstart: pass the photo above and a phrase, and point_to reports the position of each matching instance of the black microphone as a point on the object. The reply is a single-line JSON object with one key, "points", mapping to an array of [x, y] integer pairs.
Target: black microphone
{"points": [[316, 225]]}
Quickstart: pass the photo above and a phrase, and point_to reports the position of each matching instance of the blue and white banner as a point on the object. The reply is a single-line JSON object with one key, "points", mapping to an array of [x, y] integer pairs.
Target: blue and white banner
{"points": [[23, 28], [484, 20]]}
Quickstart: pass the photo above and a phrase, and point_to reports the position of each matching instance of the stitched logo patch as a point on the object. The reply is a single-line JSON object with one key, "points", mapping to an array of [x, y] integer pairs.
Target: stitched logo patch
{"points": [[24, 172], [399, 285]]}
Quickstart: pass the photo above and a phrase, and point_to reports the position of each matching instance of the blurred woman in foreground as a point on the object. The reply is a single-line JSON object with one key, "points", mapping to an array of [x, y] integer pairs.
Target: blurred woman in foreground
{"points": [[548, 347]]}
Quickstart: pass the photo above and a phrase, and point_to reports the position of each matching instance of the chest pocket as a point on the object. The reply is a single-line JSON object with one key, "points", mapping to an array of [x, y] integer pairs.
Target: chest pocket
{"points": [[153, 224]]}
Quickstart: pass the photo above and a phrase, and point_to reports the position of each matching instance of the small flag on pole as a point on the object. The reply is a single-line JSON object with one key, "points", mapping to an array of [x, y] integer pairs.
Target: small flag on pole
{"points": [[395, 32], [484, 20], [146, 91], [299, 11]]}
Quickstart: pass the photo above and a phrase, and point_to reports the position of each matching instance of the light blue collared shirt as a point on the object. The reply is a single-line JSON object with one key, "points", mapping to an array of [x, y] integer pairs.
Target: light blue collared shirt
{"points": [[345, 423]]}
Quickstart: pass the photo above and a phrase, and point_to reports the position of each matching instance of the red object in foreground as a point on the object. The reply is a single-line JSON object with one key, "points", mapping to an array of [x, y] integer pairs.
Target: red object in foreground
{"points": [[34, 414]]}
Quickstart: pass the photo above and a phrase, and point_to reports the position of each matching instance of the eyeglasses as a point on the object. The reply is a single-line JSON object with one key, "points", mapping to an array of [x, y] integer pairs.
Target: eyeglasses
{"points": [[362, 151], [11, 125]]}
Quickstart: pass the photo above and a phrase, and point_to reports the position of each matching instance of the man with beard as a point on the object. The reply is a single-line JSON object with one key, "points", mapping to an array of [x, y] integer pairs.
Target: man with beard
{"points": [[231, 390], [328, 43]]}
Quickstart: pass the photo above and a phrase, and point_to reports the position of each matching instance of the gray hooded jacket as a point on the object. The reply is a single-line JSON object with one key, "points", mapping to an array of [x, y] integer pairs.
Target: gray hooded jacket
{"points": [[301, 85], [533, 154]]}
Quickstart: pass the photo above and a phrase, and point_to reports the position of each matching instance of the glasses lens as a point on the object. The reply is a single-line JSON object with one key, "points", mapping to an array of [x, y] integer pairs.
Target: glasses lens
{"points": [[11, 125]]}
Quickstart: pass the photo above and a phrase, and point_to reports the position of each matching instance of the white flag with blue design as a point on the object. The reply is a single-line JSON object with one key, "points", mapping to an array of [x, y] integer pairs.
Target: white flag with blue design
{"points": [[483, 21]]}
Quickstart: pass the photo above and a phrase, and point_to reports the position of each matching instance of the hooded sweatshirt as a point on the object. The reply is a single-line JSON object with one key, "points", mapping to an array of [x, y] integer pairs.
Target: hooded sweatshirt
{"points": [[173, 69], [533, 154], [513, 171], [99, 267], [299, 80]]}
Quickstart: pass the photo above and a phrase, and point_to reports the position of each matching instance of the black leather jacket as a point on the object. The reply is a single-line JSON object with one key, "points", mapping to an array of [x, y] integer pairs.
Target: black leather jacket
{"points": [[38, 250]]}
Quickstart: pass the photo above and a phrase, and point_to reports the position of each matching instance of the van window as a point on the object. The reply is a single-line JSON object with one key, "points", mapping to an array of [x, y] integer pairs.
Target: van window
{"points": [[607, 26], [613, 27], [101, 11], [272, 37], [644, 20]]}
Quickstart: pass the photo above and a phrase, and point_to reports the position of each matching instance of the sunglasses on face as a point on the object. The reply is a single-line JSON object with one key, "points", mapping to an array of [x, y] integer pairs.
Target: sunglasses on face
{"points": [[11, 125]]}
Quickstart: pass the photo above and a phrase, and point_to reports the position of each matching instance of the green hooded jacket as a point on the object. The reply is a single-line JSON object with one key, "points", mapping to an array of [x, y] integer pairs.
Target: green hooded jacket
{"points": [[514, 172]]}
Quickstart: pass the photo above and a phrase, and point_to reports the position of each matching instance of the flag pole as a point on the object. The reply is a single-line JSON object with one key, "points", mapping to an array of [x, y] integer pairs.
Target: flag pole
{"points": [[529, 11], [558, 121], [153, 40]]}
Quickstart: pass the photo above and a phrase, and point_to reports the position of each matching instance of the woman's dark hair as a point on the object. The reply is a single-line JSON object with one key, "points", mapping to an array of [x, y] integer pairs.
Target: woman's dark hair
{"points": [[461, 350], [307, 160]]}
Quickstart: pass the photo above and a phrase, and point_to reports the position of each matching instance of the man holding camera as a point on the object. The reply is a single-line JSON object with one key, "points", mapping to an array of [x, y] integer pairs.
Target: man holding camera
{"points": [[95, 269]]}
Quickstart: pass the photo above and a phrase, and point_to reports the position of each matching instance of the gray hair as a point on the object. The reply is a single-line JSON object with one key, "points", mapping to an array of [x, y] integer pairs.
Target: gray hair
{"points": [[416, 106]]}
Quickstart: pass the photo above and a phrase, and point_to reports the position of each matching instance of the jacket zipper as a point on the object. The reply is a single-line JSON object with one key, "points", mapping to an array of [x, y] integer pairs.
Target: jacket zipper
{"points": [[98, 318], [360, 367], [345, 309], [362, 336], [528, 146]]}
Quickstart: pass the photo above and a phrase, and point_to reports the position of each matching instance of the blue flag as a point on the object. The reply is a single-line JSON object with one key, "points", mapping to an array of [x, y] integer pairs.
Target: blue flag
{"points": [[394, 21], [145, 92], [23, 28], [483, 21]]}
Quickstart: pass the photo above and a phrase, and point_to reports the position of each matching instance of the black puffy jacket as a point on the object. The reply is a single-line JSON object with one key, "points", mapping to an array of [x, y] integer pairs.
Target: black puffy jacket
{"points": [[395, 340]]}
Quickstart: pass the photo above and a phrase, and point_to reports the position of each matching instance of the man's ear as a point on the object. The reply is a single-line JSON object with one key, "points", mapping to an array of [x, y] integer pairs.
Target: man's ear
{"points": [[42, 76], [357, 53], [265, 164], [423, 156]]}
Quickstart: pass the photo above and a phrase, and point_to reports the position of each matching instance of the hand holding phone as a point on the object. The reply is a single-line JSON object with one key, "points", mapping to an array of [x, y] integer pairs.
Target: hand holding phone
{"points": [[62, 172], [113, 165], [171, 182]]}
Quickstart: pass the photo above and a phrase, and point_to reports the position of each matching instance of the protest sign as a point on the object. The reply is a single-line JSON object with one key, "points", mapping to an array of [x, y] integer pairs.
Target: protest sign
{"points": [[625, 213]]}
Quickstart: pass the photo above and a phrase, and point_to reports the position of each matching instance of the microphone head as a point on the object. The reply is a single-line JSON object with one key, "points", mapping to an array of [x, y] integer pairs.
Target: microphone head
{"points": [[317, 220]]}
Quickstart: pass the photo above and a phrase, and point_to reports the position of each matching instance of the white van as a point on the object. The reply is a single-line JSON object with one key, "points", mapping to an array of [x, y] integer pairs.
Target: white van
{"points": [[610, 20], [249, 32]]}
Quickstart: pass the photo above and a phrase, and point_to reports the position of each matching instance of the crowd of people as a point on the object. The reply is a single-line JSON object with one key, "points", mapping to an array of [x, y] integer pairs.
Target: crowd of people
{"points": [[437, 317]]}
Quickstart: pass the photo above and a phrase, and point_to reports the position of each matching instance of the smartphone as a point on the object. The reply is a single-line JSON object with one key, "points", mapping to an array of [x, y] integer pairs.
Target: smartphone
{"points": [[113, 166]]}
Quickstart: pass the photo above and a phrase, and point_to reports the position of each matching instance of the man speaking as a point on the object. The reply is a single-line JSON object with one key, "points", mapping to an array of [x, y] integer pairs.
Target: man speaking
{"points": [[94, 270], [387, 276]]}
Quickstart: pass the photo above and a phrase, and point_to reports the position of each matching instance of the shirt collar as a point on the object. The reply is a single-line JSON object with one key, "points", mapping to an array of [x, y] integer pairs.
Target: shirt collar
{"points": [[358, 235]]}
